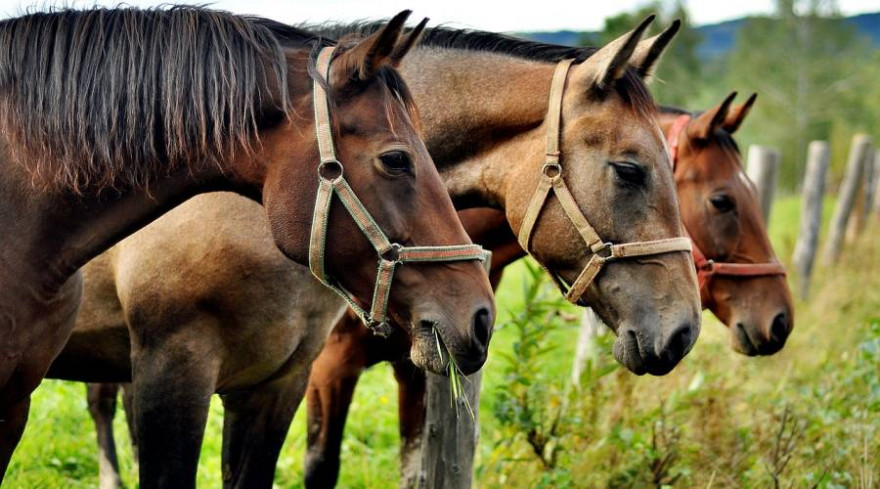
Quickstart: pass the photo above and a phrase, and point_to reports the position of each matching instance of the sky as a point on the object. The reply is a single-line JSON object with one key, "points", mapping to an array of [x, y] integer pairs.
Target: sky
{"points": [[494, 15]]}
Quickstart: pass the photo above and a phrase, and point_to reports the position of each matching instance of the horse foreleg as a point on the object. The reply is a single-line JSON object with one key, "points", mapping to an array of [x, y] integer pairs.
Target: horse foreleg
{"points": [[255, 425], [128, 407], [26, 352], [331, 387], [172, 392], [102, 408], [13, 418], [411, 413]]}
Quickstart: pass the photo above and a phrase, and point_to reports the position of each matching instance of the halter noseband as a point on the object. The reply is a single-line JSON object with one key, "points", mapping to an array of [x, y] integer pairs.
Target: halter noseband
{"points": [[331, 181], [551, 178], [706, 268]]}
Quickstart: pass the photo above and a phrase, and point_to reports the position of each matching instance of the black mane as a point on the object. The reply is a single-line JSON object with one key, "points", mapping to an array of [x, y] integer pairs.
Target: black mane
{"points": [[630, 87], [467, 39], [117, 97]]}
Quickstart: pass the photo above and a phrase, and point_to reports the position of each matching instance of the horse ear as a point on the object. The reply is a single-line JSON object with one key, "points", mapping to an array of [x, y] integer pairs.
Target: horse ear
{"points": [[364, 60], [737, 114], [704, 126], [648, 52], [411, 39], [609, 63]]}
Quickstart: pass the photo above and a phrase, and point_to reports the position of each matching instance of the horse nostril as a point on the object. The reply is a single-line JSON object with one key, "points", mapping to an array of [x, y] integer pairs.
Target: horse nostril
{"points": [[482, 324], [745, 341], [779, 329], [679, 343]]}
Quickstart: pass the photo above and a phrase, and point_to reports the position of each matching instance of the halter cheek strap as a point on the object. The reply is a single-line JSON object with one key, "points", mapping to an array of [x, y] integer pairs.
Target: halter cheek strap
{"points": [[551, 179], [332, 182], [706, 268], [673, 136]]}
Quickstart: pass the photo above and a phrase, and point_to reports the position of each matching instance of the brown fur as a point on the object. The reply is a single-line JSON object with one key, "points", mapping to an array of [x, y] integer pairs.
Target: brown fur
{"points": [[483, 115], [748, 306], [758, 311], [119, 97], [48, 236]]}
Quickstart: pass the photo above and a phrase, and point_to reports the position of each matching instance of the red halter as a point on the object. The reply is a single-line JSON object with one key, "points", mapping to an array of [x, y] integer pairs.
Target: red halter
{"points": [[707, 268]]}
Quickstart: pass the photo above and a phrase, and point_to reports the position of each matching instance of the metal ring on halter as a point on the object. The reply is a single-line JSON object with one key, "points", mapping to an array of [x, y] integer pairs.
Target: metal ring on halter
{"points": [[709, 266], [551, 170], [382, 330], [606, 252], [393, 253], [330, 170]]}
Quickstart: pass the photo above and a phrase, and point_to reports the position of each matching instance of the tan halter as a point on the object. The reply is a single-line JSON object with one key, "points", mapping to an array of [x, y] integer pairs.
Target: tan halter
{"points": [[552, 178], [331, 181]]}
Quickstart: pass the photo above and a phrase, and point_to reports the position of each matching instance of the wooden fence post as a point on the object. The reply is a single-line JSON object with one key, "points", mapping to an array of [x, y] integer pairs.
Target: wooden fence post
{"points": [[591, 327], [859, 214], [872, 177], [763, 171], [450, 436], [818, 158], [876, 193], [846, 197]]}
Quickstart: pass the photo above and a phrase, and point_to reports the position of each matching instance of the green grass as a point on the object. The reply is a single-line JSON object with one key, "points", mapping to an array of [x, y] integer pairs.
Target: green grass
{"points": [[721, 411]]}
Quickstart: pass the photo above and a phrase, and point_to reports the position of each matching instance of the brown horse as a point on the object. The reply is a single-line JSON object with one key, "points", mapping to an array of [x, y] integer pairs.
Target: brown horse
{"points": [[477, 169], [741, 280], [112, 117], [476, 164], [720, 208]]}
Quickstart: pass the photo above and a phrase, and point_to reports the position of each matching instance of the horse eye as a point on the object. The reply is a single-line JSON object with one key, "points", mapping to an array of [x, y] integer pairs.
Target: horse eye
{"points": [[722, 203], [629, 173], [396, 163]]}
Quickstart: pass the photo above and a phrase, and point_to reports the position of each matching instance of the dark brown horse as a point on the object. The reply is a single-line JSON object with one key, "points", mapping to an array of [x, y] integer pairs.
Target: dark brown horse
{"points": [[112, 117], [720, 209], [492, 146]]}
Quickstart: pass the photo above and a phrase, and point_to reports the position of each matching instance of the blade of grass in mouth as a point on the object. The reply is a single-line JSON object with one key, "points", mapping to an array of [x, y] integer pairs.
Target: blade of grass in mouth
{"points": [[455, 376]]}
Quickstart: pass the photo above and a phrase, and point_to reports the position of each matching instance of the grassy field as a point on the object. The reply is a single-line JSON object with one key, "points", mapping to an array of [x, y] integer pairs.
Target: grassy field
{"points": [[806, 417]]}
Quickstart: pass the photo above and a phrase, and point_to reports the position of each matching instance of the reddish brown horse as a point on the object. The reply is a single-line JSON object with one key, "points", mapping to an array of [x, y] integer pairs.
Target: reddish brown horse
{"points": [[112, 117], [720, 209]]}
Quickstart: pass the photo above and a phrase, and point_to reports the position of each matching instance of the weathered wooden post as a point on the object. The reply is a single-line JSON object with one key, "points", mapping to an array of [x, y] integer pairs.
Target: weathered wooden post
{"points": [[586, 349], [873, 176], [818, 158], [860, 209], [763, 171], [846, 197], [875, 206], [451, 434]]}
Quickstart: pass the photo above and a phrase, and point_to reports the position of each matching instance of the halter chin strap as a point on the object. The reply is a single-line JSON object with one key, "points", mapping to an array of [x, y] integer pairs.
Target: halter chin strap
{"points": [[552, 179], [706, 268], [331, 181]]}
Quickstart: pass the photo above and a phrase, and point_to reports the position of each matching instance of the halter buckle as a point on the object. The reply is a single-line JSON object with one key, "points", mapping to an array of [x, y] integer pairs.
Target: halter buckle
{"points": [[709, 266], [330, 170]]}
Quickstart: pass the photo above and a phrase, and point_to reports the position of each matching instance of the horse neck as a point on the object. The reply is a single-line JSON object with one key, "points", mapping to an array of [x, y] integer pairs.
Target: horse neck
{"points": [[481, 114], [55, 233], [58, 232]]}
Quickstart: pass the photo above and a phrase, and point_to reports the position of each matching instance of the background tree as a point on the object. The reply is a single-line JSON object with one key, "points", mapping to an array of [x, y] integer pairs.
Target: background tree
{"points": [[678, 79], [811, 71]]}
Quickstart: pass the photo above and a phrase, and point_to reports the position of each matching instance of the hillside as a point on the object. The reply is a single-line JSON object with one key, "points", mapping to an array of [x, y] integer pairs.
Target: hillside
{"points": [[718, 39]]}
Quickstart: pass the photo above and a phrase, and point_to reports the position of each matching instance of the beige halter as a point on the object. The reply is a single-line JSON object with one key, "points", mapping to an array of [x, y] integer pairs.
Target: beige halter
{"points": [[331, 181], [551, 178]]}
